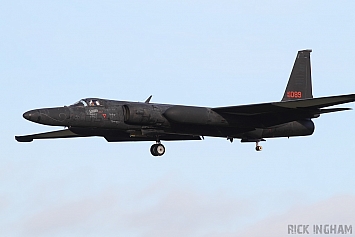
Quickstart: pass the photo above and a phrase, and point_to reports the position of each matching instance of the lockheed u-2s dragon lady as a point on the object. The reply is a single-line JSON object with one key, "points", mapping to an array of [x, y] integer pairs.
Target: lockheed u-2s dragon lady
{"points": [[119, 121]]}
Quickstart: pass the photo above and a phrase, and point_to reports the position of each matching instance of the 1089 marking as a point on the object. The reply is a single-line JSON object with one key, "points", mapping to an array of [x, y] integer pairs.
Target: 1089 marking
{"points": [[294, 94]]}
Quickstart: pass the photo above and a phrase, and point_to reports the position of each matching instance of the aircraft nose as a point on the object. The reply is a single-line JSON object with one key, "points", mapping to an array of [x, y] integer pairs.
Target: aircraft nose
{"points": [[32, 115]]}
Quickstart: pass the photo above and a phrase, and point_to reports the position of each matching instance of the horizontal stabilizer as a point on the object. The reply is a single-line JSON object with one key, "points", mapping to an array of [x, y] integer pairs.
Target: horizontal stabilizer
{"points": [[318, 103], [48, 135], [324, 111], [285, 106]]}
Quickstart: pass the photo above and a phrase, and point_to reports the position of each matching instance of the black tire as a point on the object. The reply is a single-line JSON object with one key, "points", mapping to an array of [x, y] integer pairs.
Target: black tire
{"points": [[157, 149], [153, 150]]}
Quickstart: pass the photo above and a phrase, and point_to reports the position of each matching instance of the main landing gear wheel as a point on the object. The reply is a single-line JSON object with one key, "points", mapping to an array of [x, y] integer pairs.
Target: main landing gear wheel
{"points": [[258, 148], [157, 149]]}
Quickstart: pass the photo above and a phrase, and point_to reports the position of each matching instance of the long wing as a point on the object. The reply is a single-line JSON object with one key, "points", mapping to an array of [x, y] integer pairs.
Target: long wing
{"points": [[66, 133], [110, 136], [268, 114]]}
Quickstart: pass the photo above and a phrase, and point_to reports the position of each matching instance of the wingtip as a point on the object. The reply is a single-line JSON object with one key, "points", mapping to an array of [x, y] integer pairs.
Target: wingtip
{"points": [[23, 139]]}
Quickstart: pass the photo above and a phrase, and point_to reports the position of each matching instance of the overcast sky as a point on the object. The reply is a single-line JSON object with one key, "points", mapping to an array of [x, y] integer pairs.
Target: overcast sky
{"points": [[206, 53]]}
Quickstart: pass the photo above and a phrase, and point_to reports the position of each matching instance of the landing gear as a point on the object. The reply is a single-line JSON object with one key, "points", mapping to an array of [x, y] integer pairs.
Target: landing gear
{"points": [[157, 149], [258, 148], [256, 140]]}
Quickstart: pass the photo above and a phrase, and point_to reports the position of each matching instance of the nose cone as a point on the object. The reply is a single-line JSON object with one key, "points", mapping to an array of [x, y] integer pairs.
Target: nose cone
{"points": [[32, 115], [49, 116]]}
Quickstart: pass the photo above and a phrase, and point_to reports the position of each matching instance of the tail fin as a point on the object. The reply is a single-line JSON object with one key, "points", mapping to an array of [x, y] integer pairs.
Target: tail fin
{"points": [[299, 85]]}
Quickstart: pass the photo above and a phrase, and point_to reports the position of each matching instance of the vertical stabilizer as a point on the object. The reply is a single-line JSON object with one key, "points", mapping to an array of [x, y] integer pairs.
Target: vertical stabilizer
{"points": [[299, 85]]}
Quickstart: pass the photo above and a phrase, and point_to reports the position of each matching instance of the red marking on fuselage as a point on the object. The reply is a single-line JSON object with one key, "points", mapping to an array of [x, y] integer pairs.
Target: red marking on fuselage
{"points": [[294, 94]]}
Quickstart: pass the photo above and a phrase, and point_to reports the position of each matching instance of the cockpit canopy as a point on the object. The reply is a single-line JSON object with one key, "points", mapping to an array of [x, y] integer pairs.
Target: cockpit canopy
{"points": [[89, 102]]}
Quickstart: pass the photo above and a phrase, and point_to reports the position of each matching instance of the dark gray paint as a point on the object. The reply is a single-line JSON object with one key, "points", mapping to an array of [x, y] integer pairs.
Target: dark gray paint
{"points": [[119, 121]]}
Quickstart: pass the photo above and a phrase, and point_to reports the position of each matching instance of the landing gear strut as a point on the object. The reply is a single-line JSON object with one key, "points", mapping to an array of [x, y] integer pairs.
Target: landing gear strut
{"points": [[157, 149]]}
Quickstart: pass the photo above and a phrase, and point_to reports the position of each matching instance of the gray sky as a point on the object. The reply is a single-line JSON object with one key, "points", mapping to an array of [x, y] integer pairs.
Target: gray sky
{"points": [[202, 53]]}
